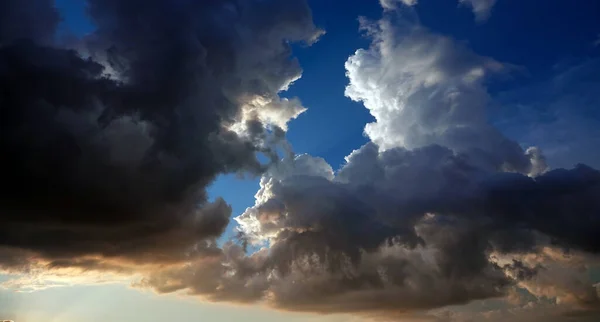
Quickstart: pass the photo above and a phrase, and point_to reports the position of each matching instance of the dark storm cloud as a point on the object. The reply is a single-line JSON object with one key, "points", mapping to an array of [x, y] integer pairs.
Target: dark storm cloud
{"points": [[109, 155], [35, 19], [412, 229]]}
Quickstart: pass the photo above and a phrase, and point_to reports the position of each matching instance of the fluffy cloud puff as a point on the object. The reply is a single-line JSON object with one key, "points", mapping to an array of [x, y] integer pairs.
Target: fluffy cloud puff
{"points": [[107, 149], [423, 88]]}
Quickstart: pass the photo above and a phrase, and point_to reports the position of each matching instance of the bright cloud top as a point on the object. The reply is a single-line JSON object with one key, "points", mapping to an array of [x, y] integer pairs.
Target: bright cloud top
{"points": [[424, 89]]}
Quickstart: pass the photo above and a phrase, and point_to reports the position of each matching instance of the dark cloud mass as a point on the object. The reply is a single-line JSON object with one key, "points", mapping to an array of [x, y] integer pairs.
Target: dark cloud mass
{"points": [[107, 149], [35, 19], [414, 229]]}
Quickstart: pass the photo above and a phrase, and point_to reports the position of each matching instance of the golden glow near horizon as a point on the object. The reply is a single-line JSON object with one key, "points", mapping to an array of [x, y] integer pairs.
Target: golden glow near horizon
{"points": [[120, 303]]}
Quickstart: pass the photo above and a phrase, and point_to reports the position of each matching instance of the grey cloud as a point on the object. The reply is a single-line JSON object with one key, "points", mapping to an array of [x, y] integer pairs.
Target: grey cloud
{"points": [[109, 155], [35, 19], [423, 222]]}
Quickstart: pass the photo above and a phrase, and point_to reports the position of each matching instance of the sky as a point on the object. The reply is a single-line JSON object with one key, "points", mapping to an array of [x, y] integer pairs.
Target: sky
{"points": [[391, 160]]}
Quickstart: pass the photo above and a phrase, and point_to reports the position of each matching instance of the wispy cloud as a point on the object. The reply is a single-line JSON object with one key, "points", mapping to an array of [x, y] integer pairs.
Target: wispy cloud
{"points": [[481, 8]]}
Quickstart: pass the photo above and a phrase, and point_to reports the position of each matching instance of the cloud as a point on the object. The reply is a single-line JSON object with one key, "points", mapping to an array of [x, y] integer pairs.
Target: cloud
{"points": [[393, 228], [109, 148], [36, 20], [439, 210], [423, 88], [481, 8]]}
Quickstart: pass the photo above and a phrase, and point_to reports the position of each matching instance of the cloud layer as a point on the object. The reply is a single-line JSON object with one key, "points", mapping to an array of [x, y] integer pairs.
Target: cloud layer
{"points": [[440, 209], [110, 147]]}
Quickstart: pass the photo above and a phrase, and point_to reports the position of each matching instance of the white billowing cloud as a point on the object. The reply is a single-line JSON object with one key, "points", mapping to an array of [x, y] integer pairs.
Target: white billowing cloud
{"points": [[265, 219], [278, 111], [423, 88], [481, 8], [274, 111], [393, 4], [538, 161]]}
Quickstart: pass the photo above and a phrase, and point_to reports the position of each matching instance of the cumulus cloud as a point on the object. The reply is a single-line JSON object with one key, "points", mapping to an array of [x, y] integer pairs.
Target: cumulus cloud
{"points": [[108, 150], [423, 88]]}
